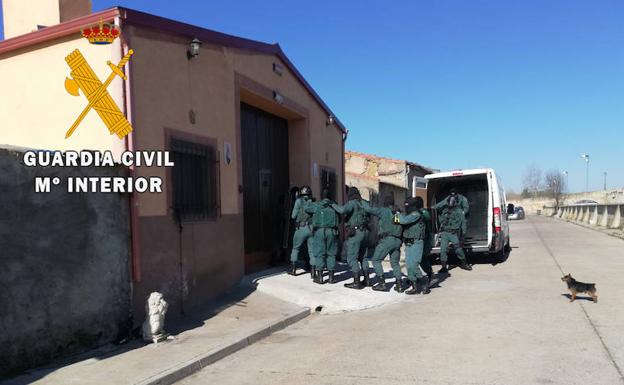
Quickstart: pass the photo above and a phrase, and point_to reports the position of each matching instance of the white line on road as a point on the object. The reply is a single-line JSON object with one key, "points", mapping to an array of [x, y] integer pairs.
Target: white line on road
{"points": [[591, 323]]}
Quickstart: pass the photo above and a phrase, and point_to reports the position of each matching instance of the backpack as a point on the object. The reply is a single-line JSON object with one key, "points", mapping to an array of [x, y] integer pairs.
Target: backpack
{"points": [[358, 217], [387, 225], [325, 217], [415, 230]]}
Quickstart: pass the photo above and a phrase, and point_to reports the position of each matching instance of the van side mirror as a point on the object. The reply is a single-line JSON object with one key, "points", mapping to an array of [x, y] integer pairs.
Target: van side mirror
{"points": [[510, 209]]}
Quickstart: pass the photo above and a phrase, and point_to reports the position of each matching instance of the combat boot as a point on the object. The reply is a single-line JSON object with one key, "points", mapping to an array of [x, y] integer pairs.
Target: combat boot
{"points": [[465, 266], [398, 286], [292, 270], [444, 268], [380, 285], [312, 272], [424, 285], [319, 276], [357, 284], [332, 279], [415, 288], [367, 280]]}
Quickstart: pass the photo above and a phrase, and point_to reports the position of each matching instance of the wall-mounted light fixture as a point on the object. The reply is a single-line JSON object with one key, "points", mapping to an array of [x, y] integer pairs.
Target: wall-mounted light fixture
{"points": [[330, 120], [278, 97], [193, 50], [278, 69]]}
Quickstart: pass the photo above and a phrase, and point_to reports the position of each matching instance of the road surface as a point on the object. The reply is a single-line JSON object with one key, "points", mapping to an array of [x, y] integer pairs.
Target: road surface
{"points": [[504, 324]]}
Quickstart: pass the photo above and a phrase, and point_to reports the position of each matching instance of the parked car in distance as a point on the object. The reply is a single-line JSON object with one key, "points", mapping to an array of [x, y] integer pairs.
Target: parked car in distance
{"points": [[586, 202], [517, 214]]}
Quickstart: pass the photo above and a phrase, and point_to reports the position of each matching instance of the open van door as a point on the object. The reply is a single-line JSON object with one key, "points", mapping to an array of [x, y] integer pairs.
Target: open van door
{"points": [[419, 188]]}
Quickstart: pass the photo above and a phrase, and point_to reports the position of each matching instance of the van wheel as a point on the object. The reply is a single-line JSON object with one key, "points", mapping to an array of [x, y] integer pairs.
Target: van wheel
{"points": [[502, 255]]}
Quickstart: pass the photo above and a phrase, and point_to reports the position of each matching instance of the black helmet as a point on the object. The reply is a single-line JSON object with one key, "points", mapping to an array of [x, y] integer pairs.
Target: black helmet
{"points": [[353, 193], [453, 191], [305, 191], [411, 204], [419, 203]]}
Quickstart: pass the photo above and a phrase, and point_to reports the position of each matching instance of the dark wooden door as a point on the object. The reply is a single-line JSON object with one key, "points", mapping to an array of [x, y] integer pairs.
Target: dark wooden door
{"points": [[264, 142]]}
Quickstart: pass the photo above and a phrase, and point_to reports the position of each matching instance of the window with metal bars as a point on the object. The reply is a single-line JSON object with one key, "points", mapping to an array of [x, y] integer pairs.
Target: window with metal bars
{"points": [[195, 180]]}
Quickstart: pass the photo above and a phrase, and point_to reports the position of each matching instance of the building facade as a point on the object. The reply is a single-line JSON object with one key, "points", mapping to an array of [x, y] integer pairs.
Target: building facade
{"points": [[240, 121], [377, 177]]}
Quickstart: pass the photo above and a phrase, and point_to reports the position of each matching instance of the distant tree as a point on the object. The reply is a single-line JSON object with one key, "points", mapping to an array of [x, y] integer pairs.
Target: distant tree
{"points": [[512, 194], [554, 186], [532, 180]]}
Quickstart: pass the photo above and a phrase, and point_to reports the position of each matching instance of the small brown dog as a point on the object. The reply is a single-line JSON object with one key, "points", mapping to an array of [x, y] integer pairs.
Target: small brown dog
{"points": [[580, 287]]}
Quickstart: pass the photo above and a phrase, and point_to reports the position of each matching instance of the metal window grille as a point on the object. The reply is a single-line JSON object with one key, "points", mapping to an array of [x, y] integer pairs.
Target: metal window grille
{"points": [[195, 180]]}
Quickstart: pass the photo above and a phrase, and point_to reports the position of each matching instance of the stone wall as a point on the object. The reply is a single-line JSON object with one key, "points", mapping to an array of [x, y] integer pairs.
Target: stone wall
{"points": [[532, 205], [64, 281]]}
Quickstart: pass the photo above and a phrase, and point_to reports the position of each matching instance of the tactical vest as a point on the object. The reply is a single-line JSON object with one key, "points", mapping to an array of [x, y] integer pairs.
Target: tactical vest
{"points": [[452, 219], [415, 231], [358, 217], [325, 217], [302, 216], [387, 225]]}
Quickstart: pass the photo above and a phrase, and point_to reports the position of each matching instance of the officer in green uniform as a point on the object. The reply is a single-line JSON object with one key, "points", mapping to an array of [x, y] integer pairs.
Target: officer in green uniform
{"points": [[389, 243], [462, 202], [451, 225], [325, 228], [425, 264], [357, 235], [303, 231], [414, 234]]}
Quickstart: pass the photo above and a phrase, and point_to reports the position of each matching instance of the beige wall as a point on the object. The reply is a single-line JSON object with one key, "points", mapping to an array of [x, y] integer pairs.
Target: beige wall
{"points": [[22, 16], [166, 85], [35, 108]]}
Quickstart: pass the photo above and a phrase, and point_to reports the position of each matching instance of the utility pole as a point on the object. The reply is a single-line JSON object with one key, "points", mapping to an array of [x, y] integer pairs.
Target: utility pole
{"points": [[586, 157], [605, 180]]}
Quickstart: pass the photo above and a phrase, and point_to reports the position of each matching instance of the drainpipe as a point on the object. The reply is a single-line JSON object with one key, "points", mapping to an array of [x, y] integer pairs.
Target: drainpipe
{"points": [[344, 180], [129, 142]]}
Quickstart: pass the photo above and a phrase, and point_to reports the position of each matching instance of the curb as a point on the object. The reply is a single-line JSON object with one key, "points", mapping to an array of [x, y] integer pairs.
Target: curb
{"points": [[199, 362]]}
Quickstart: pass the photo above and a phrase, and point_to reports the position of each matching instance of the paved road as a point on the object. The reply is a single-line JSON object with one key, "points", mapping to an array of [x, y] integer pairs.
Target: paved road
{"points": [[504, 324]]}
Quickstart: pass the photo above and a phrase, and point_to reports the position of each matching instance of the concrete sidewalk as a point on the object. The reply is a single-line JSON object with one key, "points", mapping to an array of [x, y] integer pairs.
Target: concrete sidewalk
{"points": [[329, 299], [236, 321]]}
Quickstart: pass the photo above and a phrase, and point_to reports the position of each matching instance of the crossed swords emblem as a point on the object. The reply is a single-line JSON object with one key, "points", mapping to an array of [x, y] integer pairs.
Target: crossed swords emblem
{"points": [[84, 79]]}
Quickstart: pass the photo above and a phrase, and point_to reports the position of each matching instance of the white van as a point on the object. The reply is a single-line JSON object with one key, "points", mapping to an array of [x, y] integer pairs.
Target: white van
{"points": [[487, 222]]}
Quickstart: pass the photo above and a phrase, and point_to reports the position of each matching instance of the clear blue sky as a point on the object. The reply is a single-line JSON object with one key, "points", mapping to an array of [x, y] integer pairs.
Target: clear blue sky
{"points": [[452, 84]]}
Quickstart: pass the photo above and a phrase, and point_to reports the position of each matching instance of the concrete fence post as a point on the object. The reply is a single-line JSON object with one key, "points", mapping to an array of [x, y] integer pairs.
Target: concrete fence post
{"points": [[617, 218], [577, 211], [604, 219], [594, 216]]}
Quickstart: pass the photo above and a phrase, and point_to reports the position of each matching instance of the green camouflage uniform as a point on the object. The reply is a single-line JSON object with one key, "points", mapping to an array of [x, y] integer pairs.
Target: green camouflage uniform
{"points": [[389, 241], [414, 234], [357, 232], [325, 227], [303, 232]]}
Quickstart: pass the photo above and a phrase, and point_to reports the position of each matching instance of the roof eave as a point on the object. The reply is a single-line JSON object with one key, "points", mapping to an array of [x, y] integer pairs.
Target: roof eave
{"points": [[57, 31], [152, 21]]}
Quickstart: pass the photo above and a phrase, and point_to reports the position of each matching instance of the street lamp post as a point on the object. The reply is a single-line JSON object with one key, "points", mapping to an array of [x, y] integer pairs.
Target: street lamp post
{"points": [[565, 180], [586, 157], [605, 180]]}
